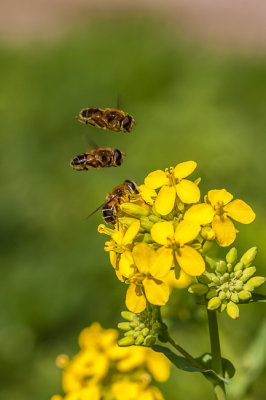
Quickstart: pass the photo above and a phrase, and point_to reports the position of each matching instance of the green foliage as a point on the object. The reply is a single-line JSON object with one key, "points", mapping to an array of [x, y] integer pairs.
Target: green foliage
{"points": [[188, 102]]}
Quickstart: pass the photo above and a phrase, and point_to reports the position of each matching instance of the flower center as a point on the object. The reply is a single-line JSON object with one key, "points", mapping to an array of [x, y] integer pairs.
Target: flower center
{"points": [[218, 207]]}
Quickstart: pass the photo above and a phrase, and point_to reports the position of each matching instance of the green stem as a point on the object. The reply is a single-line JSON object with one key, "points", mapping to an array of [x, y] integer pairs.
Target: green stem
{"points": [[219, 388], [188, 356]]}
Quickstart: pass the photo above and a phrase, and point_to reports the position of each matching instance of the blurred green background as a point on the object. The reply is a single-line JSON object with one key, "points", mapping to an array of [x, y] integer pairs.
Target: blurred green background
{"points": [[190, 102]]}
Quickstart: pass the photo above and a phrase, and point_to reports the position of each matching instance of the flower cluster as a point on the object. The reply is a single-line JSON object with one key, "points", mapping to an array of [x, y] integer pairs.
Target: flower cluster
{"points": [[226, 283], [104, 371], [160, 235]]}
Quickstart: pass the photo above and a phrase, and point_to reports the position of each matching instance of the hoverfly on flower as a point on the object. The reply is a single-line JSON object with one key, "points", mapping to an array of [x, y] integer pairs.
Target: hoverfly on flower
{"points": [[108, 119]]}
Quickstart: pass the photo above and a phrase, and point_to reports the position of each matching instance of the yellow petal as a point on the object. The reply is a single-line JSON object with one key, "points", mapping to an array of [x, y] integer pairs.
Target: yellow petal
{"points": [[184, 169], [186, 231], [113, 259], [240, 211], [147, 194], [201, 213], [188, 191], [156, 179], [162, 262], [158, 365], [142, 255], [135, 300], [161, 231], [131, 233], [224, 230], [165, 201], [182, 282], [117, 236], [156, 293], [219, 196], [125, 264], [190, 260]]}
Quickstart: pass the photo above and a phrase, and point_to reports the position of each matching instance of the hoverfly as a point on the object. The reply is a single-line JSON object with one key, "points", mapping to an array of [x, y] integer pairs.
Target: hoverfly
{"points": [[108, 118], [120, 194], [98, 158]]}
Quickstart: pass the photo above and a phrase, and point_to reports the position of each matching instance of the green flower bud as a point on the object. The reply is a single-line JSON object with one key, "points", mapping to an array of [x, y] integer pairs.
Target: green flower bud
{"points": [[141, 325], [239, 266], [223, 305], [127, 220], [211, 293], [222, 295], [134, 324], [248, 287], [248, 273], [124, 326], [204, 279], [198, 288], [238, 285], [147, 238], [234, 298], [129, 333], [231, 256], [244, 295], [221, 267], [214, 303], [229, 267], [154, 218], [126, 341], [146, 223], [216, 280], [150, 340], [139, 340], [256, 281], [232, 310], [134, 210], [249, 256], [238, 274], [211, 262], [145, 331], [129, 316], [228, 294], [209, 275], [225, 277]]}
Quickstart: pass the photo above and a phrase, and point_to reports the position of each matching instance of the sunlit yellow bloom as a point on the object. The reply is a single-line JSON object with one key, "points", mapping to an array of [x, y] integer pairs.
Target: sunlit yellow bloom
{"points": [[101, 338], [189, 259], [151, 269], [219, 212], [148, 194], [183, 281], [119, 248], [128, 390], [173, 186]]}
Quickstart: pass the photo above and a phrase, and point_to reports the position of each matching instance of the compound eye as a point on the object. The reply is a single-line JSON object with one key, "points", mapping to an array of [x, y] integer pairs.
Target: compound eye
{"points": [[132, 185], [118, 157], [126, 122]]}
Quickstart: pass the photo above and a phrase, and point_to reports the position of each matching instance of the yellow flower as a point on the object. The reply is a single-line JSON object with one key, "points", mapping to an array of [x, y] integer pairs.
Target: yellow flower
{"points": [[173, 186], [151, 268], [182, 282], [119, 248], [219, 212], [101, 338], [189, 259], [148, 194]]}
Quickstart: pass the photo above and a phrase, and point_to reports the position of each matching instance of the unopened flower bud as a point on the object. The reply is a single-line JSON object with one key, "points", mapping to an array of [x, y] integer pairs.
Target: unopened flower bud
{"points": [[139, 340], [256, 281], [231, 256], [239, 266], [149, 340], [214, 303], [228, 294], [223, 305], [129, 333], [204, 279], [145, 331], [249, 256], [248, 272], [207, 233], [124, 326], [147, 238], [229, 267], [234, 298], [198, 288], [134, 210], [238, 274], [244, 295], [221, 267], [211, 262], [225, 277], [134, 324], [248, 287], [146, 223], [232, 310], [222, 295], [126, 341], [238, 285], [216, 280], [211, 293], [127, 221], [129, 316]]}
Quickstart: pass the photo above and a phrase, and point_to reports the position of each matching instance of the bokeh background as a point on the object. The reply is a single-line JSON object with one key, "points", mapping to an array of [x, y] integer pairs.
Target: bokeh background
{"points": [[193, 75]]}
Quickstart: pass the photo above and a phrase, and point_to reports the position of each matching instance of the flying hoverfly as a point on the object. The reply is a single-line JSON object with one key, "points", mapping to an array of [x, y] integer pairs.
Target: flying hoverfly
{"points": [[108, 118], [120, 194], [97, 158]]}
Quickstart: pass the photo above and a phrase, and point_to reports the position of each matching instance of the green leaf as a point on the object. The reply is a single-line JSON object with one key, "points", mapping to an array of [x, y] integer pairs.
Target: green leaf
{"points": [[185, 365], [229, 369]]}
